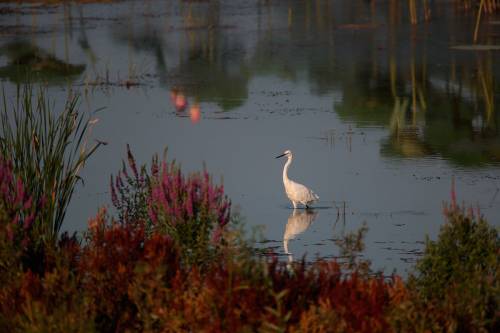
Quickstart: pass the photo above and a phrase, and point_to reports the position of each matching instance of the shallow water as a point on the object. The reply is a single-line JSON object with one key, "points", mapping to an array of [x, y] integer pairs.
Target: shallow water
{"points": [[380, 115]]}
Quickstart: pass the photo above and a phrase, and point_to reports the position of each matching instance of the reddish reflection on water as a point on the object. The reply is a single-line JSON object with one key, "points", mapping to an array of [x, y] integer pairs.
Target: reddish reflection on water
{"points": [[178, 99], [195, 113], [180, 102]]}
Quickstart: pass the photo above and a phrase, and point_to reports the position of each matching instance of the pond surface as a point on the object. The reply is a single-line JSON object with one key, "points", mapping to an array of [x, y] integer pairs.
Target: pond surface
{"points": [[381, 116]]}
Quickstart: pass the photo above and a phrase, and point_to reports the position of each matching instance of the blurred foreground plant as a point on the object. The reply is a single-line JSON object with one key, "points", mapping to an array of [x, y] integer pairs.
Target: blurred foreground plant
{"points": [[351, 246], [17, 214], [460, 271], [17, 209], [47, 150]]}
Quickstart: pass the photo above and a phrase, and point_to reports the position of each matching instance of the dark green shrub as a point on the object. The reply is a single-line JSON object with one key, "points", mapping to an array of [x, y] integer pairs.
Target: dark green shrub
{"points": [[460, 271]]}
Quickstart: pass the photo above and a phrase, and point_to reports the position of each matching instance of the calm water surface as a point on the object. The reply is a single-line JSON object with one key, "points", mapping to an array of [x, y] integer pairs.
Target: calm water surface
{"points": [[380, 115]]}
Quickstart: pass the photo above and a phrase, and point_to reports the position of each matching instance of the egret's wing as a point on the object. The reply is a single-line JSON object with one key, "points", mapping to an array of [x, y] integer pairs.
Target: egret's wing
{"points": [[297, 191], [314, 196]]}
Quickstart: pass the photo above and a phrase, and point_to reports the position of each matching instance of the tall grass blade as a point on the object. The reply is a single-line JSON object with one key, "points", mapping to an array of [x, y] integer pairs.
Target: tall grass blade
{"points": [[48, 150]]}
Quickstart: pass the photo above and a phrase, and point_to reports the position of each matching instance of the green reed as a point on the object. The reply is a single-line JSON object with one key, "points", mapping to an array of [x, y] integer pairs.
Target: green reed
{"points": [[47, 149]]}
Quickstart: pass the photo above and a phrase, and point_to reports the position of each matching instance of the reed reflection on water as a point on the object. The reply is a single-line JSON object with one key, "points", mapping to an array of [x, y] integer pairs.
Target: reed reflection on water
{"points": [[394, 70], [378, 56]]}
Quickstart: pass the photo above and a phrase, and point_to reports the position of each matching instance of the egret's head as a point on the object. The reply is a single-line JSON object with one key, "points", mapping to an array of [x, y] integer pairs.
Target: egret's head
{"points": [[287, 153]]}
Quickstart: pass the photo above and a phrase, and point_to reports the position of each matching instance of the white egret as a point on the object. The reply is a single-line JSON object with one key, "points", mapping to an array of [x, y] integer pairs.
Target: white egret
{"points": [[297, 193]]}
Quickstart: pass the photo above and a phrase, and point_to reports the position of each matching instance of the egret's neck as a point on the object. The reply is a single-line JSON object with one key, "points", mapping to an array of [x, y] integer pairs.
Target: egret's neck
{"points": [[285, 170]]}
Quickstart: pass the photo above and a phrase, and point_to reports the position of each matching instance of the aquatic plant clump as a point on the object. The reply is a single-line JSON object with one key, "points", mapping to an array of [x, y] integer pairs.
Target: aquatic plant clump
{"points": [[47, 151], [192, 210], [176, 200]]}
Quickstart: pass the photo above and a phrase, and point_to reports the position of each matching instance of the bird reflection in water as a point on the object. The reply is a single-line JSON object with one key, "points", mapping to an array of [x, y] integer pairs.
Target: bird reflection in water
{"points": [[298, 222], [179, 100], [195, 113]]}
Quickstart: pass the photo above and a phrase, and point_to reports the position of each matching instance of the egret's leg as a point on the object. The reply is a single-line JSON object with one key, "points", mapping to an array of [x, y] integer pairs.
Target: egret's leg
{"points": [[294, 205]]}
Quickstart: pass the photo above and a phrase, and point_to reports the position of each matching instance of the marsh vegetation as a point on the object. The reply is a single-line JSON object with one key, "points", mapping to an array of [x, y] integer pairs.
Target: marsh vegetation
{"points": [[390, 107]]}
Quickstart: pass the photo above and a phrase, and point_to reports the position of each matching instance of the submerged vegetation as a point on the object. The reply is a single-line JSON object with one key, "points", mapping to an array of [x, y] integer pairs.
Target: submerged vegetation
{"points": [[171, 259]]}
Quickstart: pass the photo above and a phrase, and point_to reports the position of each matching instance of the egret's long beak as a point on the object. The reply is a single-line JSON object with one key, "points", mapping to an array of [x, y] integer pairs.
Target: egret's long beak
{"points": [[280, 156]]}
